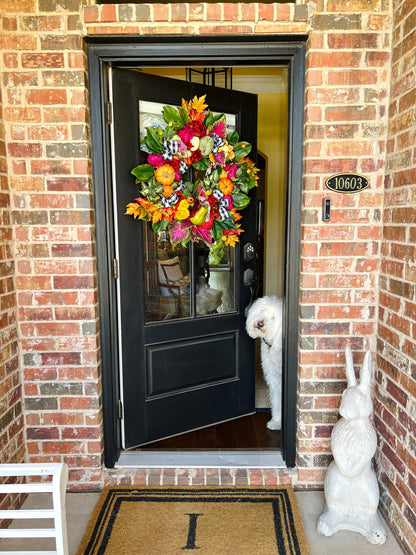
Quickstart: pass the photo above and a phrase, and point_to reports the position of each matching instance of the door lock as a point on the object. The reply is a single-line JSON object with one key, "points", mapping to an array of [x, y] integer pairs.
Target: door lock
{"points": [[249, 252]]}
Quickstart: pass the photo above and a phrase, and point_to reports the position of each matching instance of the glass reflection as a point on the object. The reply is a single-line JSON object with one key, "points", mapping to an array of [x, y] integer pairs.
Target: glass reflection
{"points": [[167, 278], [215, 278]]}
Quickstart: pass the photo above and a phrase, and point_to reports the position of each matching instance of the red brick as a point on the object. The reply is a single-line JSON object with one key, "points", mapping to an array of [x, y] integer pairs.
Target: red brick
{"points": [[91, 14], [45, 59], [334, 59], [46, 96], [282, 12], [356, 77], [340, 113], [25, 150]]}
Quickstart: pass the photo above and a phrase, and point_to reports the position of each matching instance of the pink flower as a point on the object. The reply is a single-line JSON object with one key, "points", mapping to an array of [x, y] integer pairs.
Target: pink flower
{"points": [[155, 160], [220, 157], [186, 134], [230, 201], [231, 170]]}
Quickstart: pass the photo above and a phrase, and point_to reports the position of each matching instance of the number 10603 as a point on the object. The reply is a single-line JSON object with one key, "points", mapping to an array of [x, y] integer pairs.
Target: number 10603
{"points": [[347, 183]]}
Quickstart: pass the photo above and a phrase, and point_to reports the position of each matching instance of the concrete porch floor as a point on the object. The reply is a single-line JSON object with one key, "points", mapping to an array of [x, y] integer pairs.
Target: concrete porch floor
{"points": [[80, 505]]}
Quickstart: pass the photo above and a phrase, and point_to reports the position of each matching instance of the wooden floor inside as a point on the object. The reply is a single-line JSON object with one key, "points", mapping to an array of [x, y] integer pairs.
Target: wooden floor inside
{"points": [[247, 432]]}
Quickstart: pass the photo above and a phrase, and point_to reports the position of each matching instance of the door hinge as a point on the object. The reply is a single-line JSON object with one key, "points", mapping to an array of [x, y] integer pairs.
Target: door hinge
{"points": [[120, 410], [109, 112], [115, 268]]}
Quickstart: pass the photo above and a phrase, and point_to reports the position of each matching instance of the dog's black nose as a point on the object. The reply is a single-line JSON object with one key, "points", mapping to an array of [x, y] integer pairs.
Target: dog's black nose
{"points": [[260, 325]]}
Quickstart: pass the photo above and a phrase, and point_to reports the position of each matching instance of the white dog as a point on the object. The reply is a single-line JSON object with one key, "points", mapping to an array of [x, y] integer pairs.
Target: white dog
{"points": [[264, 320]]}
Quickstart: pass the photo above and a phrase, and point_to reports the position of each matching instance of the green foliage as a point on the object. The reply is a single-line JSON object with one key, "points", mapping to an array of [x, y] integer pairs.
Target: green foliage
{"points": [[232, 138], [241, 200], [143, 172], [153, 141], [217, 231], [242, 149], [172, 117], [201, 165]]}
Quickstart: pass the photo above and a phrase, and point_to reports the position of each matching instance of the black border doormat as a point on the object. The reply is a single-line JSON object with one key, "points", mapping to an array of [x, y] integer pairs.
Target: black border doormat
{"points": [[213, 521]]}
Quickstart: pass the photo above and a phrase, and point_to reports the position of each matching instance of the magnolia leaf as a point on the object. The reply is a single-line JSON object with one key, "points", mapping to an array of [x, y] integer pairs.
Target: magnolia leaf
{"points": [[217, 231], [172, 117], [241, 149], [232, 138], [153, 140], [252, 183], [210, 119], [228, 223], [201, 165], [243, 186], [143, 172], [240, 200], [160, 225]]}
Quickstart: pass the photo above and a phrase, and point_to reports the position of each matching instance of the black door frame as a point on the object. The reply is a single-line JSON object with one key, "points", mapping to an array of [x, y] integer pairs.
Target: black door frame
{"points": [[183, 52]]}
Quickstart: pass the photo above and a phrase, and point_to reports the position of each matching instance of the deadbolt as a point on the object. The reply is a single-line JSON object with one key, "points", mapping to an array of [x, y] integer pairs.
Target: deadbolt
{"points": [[249, 252]]}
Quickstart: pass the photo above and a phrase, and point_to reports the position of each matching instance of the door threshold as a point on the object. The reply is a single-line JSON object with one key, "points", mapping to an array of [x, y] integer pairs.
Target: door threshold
{"points": [[201, 459]]}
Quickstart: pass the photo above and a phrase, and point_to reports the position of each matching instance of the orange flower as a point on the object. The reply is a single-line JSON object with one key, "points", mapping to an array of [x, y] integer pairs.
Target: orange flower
{"points": [[157, 216], [165, 174], [236, 215], [226, 185]]}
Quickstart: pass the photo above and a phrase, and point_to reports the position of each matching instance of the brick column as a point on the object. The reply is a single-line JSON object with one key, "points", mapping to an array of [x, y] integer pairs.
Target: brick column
{"points": [[395, 414]]}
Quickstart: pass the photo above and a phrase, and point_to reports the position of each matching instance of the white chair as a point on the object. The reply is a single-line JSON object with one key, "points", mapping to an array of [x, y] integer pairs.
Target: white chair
{"points": [[56, 486]]}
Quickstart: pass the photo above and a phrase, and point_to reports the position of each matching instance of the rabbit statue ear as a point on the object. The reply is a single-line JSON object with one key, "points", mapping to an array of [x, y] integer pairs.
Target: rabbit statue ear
{"points": [[366, 370], [349, 367]]}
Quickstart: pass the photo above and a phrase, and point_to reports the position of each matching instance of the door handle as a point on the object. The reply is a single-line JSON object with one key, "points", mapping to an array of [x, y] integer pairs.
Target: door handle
{"points": [[248, 280]]}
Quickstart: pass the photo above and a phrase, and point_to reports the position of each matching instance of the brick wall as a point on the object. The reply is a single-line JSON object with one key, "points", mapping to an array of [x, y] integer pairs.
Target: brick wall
{"points": [[46, 114], [12, 445], [347, 84], [396, 349], [46, 121]]}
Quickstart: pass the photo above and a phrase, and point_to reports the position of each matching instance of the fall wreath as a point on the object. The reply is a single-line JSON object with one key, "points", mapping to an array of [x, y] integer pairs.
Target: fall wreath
{"points": [[197, 176]]}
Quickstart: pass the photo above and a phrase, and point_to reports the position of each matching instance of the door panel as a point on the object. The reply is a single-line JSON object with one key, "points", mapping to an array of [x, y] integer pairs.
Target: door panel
{"points": [[186, 359], [168, 369]]}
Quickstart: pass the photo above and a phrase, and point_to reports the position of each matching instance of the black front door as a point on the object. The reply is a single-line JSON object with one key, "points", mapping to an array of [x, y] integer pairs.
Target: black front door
{"points": [[186, 361]]}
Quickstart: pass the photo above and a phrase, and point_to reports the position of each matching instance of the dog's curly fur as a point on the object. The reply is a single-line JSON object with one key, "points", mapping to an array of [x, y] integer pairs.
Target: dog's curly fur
{"points": [[264, 320]]}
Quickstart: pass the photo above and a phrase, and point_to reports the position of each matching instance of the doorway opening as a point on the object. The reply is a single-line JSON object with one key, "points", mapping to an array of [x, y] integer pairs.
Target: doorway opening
{"points": [[210, 338], [270, 85]]}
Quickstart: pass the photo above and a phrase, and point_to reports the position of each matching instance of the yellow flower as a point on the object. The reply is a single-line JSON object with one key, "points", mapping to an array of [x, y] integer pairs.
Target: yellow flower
{"points": [[182, 211], [230, 240], [198, 103], [229, 151]]}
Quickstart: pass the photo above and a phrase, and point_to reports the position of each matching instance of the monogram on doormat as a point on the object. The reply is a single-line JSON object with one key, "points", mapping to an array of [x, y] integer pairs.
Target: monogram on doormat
{"points": [[214, 521]]}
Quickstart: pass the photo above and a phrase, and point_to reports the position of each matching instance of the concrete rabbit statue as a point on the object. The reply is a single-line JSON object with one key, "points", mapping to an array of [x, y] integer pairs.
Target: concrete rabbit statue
{"points": [[351, 488]]}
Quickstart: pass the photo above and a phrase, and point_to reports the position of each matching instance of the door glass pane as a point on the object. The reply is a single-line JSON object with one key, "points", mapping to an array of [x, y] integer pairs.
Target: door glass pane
{"points": [[166, 278], [214, 278]]}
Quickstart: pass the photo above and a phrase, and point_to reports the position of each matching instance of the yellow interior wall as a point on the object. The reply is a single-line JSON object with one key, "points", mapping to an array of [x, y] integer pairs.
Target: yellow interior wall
{"points": [[272, 132]]}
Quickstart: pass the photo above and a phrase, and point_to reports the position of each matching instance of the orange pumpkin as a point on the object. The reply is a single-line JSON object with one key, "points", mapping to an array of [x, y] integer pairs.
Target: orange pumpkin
{"points": [[165, 174], [167, 191], [226, 185]]}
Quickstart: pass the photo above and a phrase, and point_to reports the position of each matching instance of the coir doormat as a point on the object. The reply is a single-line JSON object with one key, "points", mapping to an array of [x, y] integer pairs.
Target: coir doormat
{"points": [[214, 521]]}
